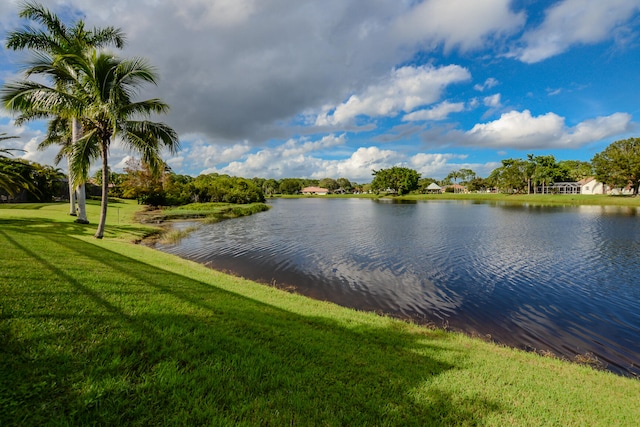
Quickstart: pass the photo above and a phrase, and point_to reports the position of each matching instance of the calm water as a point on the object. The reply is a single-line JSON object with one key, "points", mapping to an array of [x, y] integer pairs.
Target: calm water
{"points": [[563, 279]]}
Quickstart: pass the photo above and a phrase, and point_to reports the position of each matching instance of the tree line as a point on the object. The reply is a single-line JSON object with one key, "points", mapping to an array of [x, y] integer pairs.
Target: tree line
{"points": [[617, 166]]}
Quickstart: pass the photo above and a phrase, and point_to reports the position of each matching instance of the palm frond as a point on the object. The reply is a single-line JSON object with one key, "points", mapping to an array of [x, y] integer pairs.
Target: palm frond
{"points": [[145, 108], [82, 154], [149, 138], [32, 98]]}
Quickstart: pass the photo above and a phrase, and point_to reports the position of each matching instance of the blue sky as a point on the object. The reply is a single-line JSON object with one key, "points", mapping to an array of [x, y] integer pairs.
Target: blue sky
{"points": [[291, 88]]}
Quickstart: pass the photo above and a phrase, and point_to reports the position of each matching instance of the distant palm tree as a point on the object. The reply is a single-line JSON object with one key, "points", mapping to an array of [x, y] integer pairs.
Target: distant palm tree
{"points": [[55, 44]]}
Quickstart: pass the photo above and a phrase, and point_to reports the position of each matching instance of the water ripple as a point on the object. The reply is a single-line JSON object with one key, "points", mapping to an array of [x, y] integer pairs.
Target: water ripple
{"points": [[562, 279]]}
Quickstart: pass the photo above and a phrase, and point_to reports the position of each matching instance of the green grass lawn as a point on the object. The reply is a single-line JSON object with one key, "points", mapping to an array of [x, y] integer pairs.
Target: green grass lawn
{"points": [[110, 333]]}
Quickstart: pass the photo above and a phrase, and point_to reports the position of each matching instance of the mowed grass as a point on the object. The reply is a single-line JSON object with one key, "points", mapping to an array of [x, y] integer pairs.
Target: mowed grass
{"points": [[104, 332]]}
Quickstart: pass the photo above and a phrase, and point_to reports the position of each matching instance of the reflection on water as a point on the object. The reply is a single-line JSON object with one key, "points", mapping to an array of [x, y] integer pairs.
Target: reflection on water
{"points": [[560, 278]]}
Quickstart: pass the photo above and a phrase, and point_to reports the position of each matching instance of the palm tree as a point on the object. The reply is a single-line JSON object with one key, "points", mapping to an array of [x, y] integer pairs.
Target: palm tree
{"points": [[100, 89], [108, 85], [58, 41]]}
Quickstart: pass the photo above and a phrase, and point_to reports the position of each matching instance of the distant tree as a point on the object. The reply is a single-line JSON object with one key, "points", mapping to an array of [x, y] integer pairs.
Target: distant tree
{"points": [[477, 184], [619, 164], [397, 179], [225, 188], [142, 184], [544, 171], [329, 183], [47, 181], [345, 184], [454, 175], [270, 186], [512, 176], [575, 170], [467, 175], [290, 186], [178, 189]]}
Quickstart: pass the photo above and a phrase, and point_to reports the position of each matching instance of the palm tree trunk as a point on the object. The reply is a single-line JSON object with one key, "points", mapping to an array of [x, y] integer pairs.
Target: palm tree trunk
{"points": [[82, 204], [72, 192], [105, 189], [76, 133]]}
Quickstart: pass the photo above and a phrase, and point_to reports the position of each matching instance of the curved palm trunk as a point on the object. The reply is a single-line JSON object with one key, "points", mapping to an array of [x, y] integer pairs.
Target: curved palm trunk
{"points": [[76, 133], [105, 189]]}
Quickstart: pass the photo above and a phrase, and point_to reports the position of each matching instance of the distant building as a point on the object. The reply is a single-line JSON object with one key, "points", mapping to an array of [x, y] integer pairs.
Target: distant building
{"points": [[434, 188], [456, 188], [590, 185], [315, 190]]}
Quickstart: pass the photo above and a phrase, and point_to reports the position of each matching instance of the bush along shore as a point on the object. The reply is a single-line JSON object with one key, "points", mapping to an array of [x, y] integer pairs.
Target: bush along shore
{"points": [[111, 333]]}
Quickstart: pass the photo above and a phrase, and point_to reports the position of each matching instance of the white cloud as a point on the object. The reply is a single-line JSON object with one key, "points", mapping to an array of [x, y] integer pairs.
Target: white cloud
{"points": [[598, 129], [571, 22], [459, 23], [407, 88], [492, 101], [488, 84], [439, 112], [521, 130], [202, 154]]}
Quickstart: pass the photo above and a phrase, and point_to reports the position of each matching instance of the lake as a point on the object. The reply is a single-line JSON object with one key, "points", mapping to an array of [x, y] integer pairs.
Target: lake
{"points": [[546, 278]]}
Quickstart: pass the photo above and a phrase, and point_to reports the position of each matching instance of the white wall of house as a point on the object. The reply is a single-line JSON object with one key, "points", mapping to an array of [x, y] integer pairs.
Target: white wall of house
{"points": [[591, 186]]}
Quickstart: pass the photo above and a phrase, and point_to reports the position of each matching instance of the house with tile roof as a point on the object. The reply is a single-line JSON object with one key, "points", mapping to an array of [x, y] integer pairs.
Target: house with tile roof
{"points": [[315, 190]]}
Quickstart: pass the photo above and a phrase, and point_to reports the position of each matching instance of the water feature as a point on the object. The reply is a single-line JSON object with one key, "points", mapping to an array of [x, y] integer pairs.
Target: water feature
{"points": [[548, 278]]}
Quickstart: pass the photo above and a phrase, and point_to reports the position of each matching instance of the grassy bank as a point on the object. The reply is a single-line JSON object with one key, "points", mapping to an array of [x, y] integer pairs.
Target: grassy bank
{"points": [[110, 333], [208, 211]]}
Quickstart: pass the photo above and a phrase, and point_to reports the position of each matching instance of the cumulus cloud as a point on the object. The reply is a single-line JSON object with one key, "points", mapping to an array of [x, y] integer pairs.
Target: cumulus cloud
{"points": [[571, 22], [459, 23], [295, 157], [521, 130], [407, 88], [439, 112]]}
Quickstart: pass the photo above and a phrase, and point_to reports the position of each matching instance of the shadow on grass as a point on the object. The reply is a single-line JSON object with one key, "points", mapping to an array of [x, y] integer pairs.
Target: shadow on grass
{"points": [[127, 343]]}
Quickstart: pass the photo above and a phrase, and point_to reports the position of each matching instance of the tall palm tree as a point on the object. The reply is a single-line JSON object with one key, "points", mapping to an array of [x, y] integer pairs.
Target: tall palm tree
{"points": [[108, 85], [57, 40]]}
